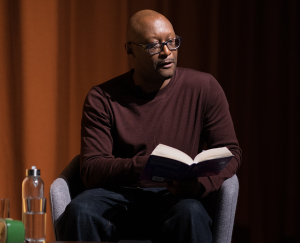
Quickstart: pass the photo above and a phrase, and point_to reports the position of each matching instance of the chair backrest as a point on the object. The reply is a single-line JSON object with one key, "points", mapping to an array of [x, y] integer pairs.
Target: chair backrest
{"points": [[71, 174], [63, 189]]}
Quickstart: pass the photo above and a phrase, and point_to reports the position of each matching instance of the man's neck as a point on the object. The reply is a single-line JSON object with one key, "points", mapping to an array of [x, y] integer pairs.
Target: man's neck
{"points": [[149, 86]]}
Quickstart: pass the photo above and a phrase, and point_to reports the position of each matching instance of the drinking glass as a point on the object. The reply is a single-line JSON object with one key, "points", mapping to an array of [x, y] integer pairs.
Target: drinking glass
{"points": [[4, 208]]}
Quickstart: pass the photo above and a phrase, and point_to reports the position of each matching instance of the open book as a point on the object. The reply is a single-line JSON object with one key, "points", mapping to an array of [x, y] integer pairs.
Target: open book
{"points": [[166, 162]]}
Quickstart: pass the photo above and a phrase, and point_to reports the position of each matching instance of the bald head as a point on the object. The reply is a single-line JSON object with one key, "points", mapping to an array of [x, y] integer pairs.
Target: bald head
{"points": [[150, 69], [143, 22]]}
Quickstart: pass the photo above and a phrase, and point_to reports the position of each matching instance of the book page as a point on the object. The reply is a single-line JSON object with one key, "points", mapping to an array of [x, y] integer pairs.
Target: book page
{"points": [[214, 153], [172, 153]]}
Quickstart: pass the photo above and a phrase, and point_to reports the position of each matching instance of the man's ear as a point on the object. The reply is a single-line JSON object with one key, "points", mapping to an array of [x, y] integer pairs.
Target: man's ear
{"points": [[129, 50]]}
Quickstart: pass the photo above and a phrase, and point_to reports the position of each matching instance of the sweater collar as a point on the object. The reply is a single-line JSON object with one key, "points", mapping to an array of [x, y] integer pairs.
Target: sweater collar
{"points": [[144, 95]]}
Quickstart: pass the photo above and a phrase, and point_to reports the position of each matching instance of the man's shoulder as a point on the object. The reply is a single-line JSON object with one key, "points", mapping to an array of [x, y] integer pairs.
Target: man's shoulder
{"points": [[115, 85], [193, 78], [192, 72]]}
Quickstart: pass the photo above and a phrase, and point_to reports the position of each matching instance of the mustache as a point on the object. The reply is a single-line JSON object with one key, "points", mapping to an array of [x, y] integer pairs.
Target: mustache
{"points": [[162, 62]]}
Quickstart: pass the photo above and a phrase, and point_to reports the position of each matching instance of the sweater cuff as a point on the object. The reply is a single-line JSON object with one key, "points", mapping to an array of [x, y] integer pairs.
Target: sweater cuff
{"points": [[142, 161]]}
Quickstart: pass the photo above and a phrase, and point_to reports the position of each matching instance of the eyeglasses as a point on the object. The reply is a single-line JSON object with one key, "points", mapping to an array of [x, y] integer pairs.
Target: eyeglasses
{"points": [[154, 48]]}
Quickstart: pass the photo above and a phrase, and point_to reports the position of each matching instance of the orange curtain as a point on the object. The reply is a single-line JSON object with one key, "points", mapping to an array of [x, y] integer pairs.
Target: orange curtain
{"points": [[53, 51]]}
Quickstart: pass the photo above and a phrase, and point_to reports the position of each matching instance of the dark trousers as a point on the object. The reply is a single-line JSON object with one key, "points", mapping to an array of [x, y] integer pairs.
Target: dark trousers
{"points": [[133, 213]]}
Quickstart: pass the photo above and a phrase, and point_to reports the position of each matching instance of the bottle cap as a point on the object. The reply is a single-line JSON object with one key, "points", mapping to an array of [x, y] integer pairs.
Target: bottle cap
{"points": [[33, 172]]}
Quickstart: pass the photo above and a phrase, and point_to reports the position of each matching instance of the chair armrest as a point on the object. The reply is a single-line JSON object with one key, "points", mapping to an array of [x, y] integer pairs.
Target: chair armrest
{"points": [[225, 212], [59, 198]]}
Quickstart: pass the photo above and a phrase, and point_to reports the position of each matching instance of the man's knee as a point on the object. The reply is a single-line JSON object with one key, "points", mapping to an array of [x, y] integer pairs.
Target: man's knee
{"points": [[83, 221], [77, 209], [188, 221], [96, 202], [192, 210]]}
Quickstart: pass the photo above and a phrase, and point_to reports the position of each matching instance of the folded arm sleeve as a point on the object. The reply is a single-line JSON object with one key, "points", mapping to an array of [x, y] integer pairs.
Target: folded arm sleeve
{"points": [[218, 131], [99, 168]]}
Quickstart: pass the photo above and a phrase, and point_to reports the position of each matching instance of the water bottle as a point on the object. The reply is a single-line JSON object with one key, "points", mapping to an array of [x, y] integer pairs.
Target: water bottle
{"points": [[34, 206]]}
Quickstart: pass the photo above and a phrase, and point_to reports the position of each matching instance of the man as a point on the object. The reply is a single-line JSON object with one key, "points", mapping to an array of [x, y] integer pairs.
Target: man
{"points": [[124, 119]]}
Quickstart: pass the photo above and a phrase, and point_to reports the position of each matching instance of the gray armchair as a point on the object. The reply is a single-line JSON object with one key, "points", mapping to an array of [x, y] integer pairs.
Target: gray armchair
{"points": [[220, 205]]}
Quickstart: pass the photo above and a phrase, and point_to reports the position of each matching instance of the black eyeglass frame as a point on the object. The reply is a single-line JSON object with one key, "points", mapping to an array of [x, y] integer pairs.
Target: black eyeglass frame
{"points": [[146, 46]]}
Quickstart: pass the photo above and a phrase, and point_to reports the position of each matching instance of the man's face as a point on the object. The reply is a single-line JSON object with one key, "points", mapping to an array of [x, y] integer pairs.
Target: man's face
{"points": [[160, 66]]}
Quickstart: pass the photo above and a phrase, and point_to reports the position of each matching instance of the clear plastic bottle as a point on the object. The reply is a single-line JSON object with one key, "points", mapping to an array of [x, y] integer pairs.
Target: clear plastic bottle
{"points": [[34, 206]]}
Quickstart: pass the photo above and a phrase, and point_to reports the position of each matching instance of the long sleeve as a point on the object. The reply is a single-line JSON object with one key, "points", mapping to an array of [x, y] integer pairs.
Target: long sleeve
{"points": [[99, 168], [218, 131]]}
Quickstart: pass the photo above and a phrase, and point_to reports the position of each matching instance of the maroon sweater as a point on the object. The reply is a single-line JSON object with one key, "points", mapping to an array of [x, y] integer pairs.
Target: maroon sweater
{"points": [[121, 126]]}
